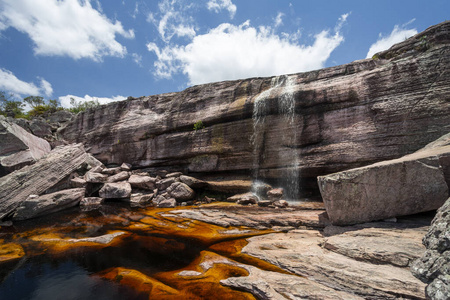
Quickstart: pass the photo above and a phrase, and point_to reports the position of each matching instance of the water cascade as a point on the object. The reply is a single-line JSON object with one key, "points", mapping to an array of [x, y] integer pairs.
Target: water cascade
{"points": [[282, 90]]}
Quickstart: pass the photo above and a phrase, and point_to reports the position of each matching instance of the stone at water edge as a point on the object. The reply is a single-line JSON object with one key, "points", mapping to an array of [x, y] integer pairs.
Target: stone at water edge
{"points": [[142, 182], [280, 203], [91, 203], [116, 190], [124, 175], [36, 206], [167, 203], [193, 182], [180, 191], [244, 199], [39, 177], [141, 199], [275, 194], [412, 184]]}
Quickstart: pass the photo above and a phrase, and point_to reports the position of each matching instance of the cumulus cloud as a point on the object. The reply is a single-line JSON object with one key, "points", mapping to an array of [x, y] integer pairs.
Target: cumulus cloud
{"points": [[232, 52], [218, 5], [10, 83], [65, 28], [279, 20], [65, 100], [173, 20], [398, 34], [137, 59]]}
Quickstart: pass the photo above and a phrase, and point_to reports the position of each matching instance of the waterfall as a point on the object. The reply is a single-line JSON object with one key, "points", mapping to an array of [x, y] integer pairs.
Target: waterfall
{"points": [[286, 108]]}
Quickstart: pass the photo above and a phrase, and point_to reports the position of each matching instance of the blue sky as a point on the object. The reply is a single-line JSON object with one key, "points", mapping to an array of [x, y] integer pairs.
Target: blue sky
{"points": [[112, 49]]}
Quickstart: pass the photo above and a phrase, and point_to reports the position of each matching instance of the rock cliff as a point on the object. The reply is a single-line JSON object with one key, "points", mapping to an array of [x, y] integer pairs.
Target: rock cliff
{"points": [[312, 123]]}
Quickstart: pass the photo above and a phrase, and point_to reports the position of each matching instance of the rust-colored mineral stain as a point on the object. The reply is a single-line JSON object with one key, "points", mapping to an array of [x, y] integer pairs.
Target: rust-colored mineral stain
{"points": [[201, 279], [233, 249], [11, 251], [139, 282]]}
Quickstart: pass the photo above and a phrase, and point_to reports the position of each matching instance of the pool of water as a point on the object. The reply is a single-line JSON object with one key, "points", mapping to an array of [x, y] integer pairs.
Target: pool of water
{"points": [[114, 253]]}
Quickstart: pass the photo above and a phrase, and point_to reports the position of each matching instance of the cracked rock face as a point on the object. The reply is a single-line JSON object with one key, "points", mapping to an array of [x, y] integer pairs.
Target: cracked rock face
{"points": [[434, 266], [345, 117]]}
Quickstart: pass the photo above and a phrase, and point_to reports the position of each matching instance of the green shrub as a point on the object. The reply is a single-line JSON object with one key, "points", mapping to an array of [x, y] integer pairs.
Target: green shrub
{"points": [[198, 125]]}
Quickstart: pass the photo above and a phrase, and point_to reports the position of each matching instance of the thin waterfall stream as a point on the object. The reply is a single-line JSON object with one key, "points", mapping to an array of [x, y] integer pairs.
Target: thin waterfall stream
{"points": [[283, 88]]}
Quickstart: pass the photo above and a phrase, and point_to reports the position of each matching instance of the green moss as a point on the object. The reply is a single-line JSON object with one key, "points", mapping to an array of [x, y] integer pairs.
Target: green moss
{"points": [[198, 125]]}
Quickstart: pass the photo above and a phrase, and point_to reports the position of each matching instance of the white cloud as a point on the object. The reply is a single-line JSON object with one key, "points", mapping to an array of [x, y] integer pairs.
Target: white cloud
{"points": [[218, 5], [172, 20], [65, 100], [10, 83], [279, 20], [398, 34], [137, 59], [65, 28], [232, 52]]}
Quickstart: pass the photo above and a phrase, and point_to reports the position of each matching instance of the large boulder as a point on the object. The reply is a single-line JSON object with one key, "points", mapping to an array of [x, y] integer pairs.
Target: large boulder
{"points": [[41, 176], [36, 206], [18, 147], [142, 182], [434, 266], [116, 190], [412, 184], [180, 191]]}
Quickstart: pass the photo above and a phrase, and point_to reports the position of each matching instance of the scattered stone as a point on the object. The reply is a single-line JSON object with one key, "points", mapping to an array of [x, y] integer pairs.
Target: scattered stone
{"points": [[78, 182], [111, 171], [39, 127], [163, 184], [208, 200], [140, 199], [166, 203], [91, 203], [230, 186], [161, 173], [193, 182], [244, 199], [125, 167], [97, 169], [142, 182], [116, 190], [124, 175], [275, 194], [95, 177], [174, 174], [264, 203], [156, 200], [36, 206], [280, 203], [180, 191]]}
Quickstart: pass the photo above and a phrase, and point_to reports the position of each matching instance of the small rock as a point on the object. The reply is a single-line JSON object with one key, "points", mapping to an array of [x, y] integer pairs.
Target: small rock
{"points": [[124, 175], [167, 203], [275, 194], [174, 174], [264, 203], [158, 199], [78, 182], [96, 169], [95, 177], [208, 200], [180, 191], [126, 167], [193, 182], [244, 199], [161, 173], [111, 171], [142, 182], [91, 203], [165, 183], [116, 190], [140, 199], [280, 204]]}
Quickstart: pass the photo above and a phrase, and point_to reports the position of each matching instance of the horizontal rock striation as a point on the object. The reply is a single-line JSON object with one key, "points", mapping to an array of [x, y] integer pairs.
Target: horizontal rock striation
{"points": [[344, 117]]}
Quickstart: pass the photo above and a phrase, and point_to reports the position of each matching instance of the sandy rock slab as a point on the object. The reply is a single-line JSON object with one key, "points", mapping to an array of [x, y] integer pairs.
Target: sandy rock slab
{"points": [[253, 216], [300, 252]]}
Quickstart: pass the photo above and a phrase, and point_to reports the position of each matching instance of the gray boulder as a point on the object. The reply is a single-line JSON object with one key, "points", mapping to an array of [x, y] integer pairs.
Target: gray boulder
{"points": [[124, 175], [36, 206], [163, 184], [94, 177], [244, 199], [91, 203], [142, 182], [180, 191], [116, 190], [193, 182], [18, 147], [167, 203], [412, 184], [40, 127], [41, 176]]}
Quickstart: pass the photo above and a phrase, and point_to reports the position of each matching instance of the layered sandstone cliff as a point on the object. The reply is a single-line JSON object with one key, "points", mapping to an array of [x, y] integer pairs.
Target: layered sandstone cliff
{"points": [[338, 118]]}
